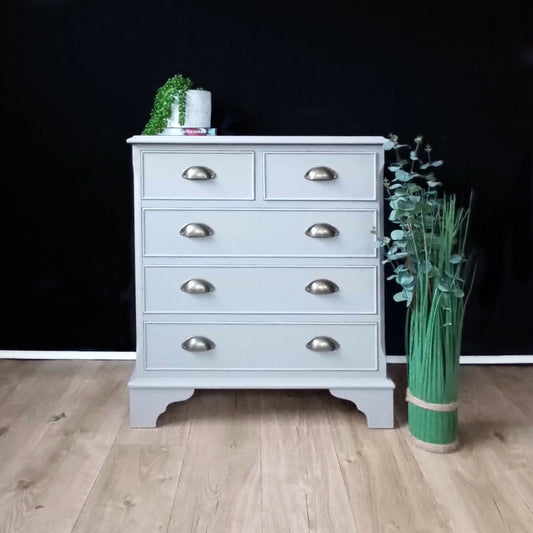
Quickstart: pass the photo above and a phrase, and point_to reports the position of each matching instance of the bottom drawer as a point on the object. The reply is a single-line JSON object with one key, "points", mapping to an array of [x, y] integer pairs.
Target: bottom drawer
{"points": [[260, 346]]}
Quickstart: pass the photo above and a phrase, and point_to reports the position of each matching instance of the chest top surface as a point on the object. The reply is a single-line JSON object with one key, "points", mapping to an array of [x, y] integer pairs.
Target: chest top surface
{"points": [[254, 139]]}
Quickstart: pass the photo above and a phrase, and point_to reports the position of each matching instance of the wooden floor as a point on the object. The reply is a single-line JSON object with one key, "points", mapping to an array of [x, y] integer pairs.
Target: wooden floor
{"points": [[251, 461]]}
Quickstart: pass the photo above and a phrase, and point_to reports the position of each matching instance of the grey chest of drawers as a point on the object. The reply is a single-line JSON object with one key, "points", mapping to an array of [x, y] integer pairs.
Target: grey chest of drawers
{"points": [[256, 268]]}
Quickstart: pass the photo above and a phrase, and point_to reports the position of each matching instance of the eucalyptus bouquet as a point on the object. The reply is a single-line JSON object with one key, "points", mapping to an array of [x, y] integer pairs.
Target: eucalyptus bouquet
{"points": [[428, 258]]}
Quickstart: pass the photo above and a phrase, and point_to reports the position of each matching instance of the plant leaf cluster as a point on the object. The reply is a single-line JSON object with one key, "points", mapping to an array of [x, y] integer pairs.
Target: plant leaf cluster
{"points": [[427, 249], [177, 86]]}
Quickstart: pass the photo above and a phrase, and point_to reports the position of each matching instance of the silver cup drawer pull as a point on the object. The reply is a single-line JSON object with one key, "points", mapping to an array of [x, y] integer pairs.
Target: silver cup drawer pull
{"points": [[197, 286], [196, 229], [198, 173], [322, 344], [322, 286], [321, 174], [322, 231], [198, 344]]}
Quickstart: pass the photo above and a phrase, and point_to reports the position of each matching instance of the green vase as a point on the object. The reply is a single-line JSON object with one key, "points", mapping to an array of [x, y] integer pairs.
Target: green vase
{"points": [[433, 371]]}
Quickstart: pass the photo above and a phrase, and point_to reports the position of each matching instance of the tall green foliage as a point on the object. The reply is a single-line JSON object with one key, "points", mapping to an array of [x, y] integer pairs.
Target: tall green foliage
{"points": [[177, 86], [427, 252]]}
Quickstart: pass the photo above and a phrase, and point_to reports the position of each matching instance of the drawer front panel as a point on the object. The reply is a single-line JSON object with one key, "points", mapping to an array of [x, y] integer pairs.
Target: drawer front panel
{"points": [[162, 175], [284, 175], [251, 289], [259, 233], [261, 346]]}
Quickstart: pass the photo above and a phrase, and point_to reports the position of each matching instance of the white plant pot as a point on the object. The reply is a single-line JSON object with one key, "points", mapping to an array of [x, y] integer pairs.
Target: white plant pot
{"points": [[197, 110]]}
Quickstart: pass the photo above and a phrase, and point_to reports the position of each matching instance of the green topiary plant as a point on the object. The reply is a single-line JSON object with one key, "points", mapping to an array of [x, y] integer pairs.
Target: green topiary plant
{"points": [[176, 86]]}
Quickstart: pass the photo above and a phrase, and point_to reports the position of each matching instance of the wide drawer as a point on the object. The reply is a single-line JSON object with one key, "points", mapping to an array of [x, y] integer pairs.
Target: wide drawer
{"points": [[162, 175], [337, 176], [254, 289], [260, 346], [342, 233]]}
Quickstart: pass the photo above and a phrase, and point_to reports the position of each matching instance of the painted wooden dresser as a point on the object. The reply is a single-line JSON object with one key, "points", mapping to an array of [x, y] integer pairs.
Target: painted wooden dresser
{"points": [[256, 268]]}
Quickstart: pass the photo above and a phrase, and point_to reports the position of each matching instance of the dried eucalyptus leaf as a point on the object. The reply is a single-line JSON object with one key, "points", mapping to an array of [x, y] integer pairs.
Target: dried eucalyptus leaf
{"points": [[424, 267], [395, 257], [402, 175], [400, 297], [406, 281], [444, 285]]}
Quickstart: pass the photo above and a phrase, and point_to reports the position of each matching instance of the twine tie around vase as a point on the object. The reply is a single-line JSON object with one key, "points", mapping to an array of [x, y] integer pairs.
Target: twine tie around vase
{"points": [[439, 407]]}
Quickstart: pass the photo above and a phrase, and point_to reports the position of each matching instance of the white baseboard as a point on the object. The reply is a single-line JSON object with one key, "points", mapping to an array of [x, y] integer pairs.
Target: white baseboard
{"points": [[58, 354], [479, 359], [130, 356]]}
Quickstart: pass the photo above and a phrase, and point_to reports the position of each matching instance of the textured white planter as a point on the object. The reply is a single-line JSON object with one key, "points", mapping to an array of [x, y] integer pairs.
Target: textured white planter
{"points": [[197, 111]]}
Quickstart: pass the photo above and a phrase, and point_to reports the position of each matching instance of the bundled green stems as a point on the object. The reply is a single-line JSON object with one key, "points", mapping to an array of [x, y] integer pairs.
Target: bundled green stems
{"points": [[427, 255]]}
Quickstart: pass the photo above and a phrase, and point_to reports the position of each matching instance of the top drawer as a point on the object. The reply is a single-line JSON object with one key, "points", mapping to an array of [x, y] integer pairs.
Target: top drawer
{"points": [[232, 175], [345, 175]]}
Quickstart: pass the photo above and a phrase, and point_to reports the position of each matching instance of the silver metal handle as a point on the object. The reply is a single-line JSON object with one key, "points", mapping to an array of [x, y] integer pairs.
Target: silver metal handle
{"points": [[197, 286], [322, 344], [322, 231], [196, 229], [322, 286], [198, 173], [198, 344], [321, 174]]}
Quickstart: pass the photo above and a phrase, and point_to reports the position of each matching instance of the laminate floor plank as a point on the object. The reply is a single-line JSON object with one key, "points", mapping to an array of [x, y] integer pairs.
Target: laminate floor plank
{"points": [[38, 396], [515, 382], [48, 490], [219, 486], [135, 490], [501, 433], [387, 490], [12, 372], [302, 484]]}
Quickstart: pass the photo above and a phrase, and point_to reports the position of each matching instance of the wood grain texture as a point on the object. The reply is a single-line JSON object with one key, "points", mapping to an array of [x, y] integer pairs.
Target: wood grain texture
{"points": [[25, 412], [381, 476], [11, 374], [219, 484], [255, 461], [48, 488], [302, 485], [136, 487]]}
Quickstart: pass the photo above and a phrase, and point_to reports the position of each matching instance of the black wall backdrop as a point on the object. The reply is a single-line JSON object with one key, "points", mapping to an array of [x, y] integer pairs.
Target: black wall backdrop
{"points": [[79, 78]]}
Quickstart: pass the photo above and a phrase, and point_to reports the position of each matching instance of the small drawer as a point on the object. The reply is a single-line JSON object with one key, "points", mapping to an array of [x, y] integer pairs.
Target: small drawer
{"points": [[202, 175], [252, 346], [320, 176], [254, 289], [260, 233]]}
